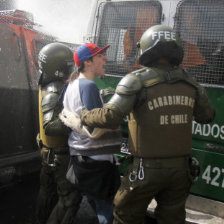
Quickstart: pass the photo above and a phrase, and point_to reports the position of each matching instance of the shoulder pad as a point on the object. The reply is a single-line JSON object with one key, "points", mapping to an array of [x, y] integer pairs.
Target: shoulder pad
{"points": [[49, 101], [129, 85], [54, 87], [154, 76], [187, 77], [175, 75], [149, 77]]}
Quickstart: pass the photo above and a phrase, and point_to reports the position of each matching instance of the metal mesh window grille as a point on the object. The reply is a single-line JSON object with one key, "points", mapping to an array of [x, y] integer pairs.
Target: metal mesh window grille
{"points": [[121, 24], [201, 27], [17, 17]]}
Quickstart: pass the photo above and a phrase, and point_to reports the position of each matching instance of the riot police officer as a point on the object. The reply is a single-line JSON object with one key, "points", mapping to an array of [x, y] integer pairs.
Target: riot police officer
{"points": [[161, 100], [58, 199]]}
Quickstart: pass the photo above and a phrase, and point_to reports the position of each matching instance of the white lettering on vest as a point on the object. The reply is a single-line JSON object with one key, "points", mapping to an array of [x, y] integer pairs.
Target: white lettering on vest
{"points": [[170, 101], [164, 120], [179, 119], [150, 105], [173, 119]]}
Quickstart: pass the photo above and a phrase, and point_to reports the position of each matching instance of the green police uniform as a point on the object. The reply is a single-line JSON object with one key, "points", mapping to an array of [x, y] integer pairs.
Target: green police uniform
{"points": [[58, 200], [161, 100]]}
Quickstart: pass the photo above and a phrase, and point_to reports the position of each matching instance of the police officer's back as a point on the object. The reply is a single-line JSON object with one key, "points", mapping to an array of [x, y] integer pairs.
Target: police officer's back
{"points": [[161, 100]]}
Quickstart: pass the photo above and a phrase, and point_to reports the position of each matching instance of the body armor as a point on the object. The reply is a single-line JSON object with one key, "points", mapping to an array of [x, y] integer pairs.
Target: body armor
{"points": [[53, 133], [162, 103], [166, 113], [163, 108]]}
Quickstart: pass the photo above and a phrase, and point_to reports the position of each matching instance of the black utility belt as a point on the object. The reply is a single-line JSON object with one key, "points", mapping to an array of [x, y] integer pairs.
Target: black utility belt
{"points": [[84, 159], [171, 162], [58, 151], [88, 162]]}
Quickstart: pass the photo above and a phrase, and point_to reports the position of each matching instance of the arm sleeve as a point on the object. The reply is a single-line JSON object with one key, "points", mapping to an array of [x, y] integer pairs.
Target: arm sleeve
{"points": [[90, 97], [102, 118], [56, 128], [50, 107]]}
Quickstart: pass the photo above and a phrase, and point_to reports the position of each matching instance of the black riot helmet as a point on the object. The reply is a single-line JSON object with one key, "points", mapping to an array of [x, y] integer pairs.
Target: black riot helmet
{"points": [[55, 62], [160, 42]]}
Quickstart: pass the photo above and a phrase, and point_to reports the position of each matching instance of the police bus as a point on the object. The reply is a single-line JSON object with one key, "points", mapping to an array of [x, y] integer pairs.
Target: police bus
{"points": [[200, 24]]}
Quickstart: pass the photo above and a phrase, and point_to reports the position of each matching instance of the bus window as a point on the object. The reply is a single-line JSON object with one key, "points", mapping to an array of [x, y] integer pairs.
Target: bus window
{"points": [[145, 18], [121, 25], [200, 24]]}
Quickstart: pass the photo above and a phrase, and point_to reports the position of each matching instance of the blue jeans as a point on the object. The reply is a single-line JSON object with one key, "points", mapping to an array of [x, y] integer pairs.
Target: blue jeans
{"points": [[103, 209]]}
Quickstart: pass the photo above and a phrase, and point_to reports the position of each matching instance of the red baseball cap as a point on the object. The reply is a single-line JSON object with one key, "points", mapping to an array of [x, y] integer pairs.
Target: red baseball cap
{"points": [[86, 51]]}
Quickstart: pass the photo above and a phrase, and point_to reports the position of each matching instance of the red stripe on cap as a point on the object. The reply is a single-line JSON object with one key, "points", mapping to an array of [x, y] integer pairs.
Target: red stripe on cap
{"points": [[76, 59]]}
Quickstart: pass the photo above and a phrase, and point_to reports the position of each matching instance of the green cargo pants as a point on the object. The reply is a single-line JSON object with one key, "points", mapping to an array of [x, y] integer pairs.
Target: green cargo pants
{"points": [[58, 200], [165, 180]]}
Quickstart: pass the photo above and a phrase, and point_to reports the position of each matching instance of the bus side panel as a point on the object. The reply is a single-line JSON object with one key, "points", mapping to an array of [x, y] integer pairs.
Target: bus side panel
{"points": [[210, 183], [16, 96], [208, 150]]}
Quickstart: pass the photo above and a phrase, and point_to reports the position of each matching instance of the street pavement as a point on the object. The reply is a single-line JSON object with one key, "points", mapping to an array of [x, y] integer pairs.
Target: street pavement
{"points": [[17, 206], [193, 216]]}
